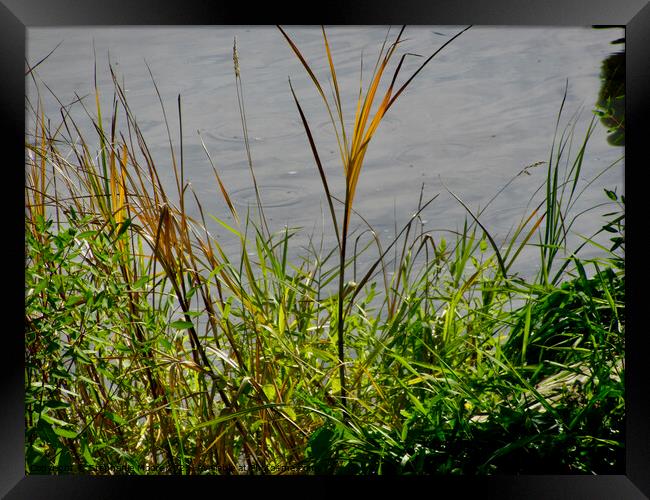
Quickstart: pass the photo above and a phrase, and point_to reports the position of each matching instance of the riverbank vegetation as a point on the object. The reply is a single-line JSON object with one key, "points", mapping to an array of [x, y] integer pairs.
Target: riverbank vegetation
{"points": [[149, 350]]}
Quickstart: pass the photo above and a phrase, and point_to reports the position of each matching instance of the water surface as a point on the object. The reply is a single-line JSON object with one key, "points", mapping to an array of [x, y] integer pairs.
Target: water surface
{"points": [[480, 112]]}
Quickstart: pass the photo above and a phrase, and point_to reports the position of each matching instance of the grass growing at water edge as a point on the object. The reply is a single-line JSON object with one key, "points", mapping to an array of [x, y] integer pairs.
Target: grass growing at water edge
{"points": [[148, 348]]}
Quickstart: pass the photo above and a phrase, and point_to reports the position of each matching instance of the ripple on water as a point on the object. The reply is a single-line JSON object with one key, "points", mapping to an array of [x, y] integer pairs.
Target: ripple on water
{"points": [[272, 196], [423, 154], [260, 128]]}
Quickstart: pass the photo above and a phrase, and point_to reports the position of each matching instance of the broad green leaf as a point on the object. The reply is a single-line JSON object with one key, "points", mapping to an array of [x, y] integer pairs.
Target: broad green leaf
{"points": [[181, 325], [64, 433], [52, 420], [269, 391]]}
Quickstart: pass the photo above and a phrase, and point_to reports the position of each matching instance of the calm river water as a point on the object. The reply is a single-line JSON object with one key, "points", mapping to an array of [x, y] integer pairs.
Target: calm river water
{"points": [[480, 112]]}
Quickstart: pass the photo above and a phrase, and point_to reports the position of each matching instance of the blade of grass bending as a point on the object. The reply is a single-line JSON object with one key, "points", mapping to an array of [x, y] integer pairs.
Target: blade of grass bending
{"points": [[226, 226], [568, 260], [494, 246], [588, 184], [523, 243], [224, 192], [321, 171], [367, 276], [169, 135], [376, 239], [403, 87], [518, 231], [337, 100], [311, 74], [32, 68]]}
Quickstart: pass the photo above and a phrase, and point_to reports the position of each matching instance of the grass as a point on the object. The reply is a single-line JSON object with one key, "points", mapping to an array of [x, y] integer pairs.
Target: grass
{"points": [[353, 150], [148, 350]]}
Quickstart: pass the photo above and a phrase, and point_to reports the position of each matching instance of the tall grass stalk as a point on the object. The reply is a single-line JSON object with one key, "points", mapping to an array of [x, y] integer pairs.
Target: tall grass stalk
{"points": [[353, 147], [149, 347]]}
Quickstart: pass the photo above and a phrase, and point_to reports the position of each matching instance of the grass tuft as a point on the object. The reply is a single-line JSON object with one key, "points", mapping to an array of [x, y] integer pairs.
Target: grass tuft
{"points": [[149, 349]]}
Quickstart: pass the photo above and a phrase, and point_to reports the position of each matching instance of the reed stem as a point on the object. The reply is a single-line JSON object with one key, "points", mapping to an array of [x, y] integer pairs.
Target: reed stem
{"points": [[341, 310]]}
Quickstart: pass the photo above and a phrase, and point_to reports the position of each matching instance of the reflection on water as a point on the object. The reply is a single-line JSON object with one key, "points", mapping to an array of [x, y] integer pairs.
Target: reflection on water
{"points": [[481, 111], [611, 98]]}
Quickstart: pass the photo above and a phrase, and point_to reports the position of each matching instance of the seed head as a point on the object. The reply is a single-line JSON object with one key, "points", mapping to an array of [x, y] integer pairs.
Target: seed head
{"points": [[235, 57]]}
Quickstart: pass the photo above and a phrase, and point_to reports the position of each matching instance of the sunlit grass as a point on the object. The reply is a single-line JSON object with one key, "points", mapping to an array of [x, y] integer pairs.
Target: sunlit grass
{"points": [[148, 347]]}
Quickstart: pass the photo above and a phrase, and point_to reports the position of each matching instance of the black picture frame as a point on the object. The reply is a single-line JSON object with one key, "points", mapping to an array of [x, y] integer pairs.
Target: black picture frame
{"points": [[634, 15]]}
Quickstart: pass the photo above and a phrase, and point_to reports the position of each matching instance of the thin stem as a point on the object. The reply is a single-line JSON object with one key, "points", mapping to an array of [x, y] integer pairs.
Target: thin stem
{"points": [[341, 313]]}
